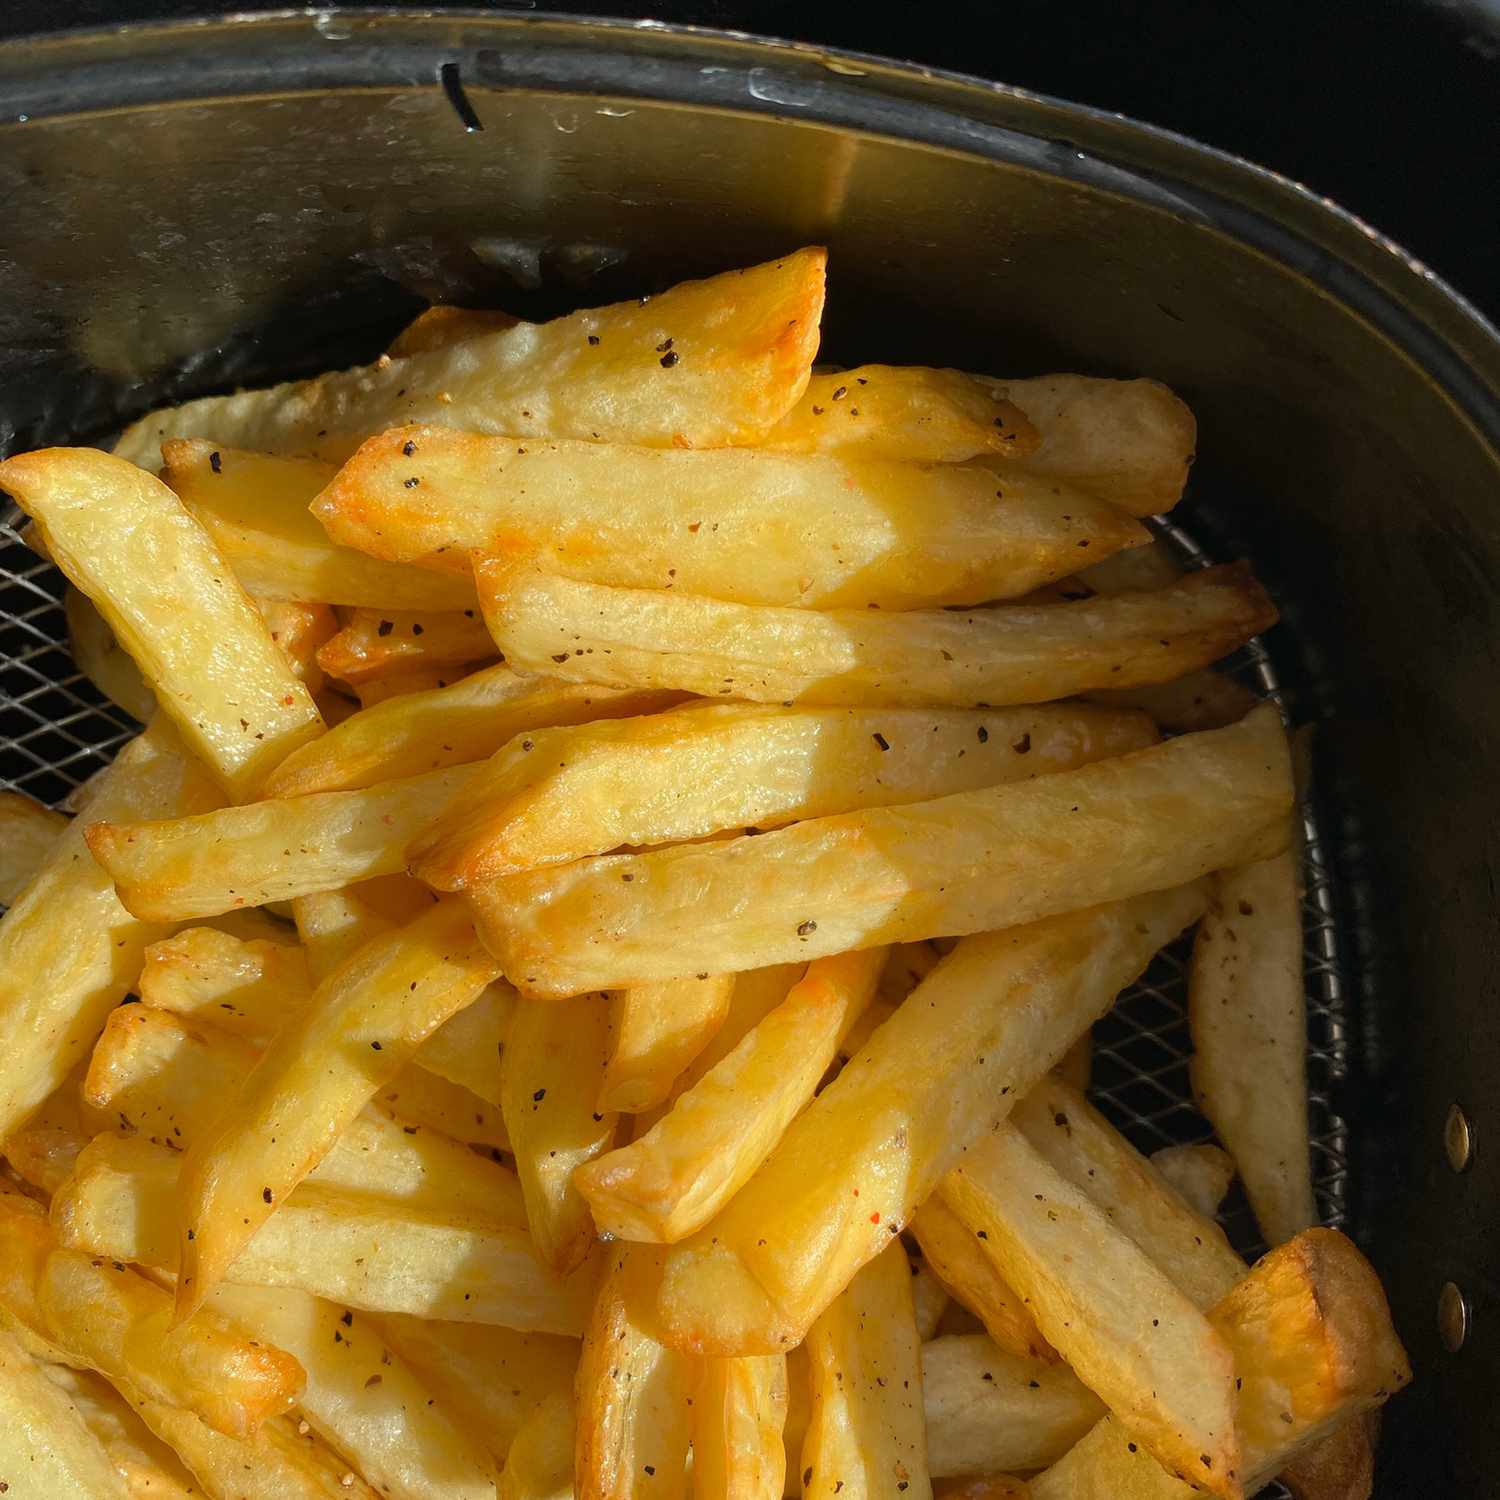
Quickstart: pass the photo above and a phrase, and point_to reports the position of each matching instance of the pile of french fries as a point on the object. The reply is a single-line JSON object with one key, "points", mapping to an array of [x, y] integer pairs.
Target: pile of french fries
{"points": [[583, 985]]}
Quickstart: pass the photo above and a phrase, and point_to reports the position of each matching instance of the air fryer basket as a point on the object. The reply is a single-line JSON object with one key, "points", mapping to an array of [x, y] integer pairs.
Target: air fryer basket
{"points": [[190, 207]]}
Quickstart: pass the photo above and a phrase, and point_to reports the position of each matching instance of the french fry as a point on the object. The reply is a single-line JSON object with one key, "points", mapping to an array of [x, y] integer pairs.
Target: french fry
{"points": [[1127, 441], [335, 924], [442, 325], [440, 727], [673, 1179], [125, 540], [300, 630], [361, 1025], [28, 834], [416, 1097], [1247, 1010], [44, 1153], [867, 1434], [1077, 1065], [1132, 1337], [377, 690], [658, 1029], [362, 1398], [348, 1248], [959, 864], [1313, 1346], [68, 950], [739, 1415], [972, 1279], [466, 1049], [563, 794], [634, 1421], [985, 1487], [1339, 1466], [255, 506], [743, 344], [554, 1065], [101, 658], [826, 530], [1199, 1174], [380, 642], [491, 1379], [990, 1410], [179, 870], [46, 1449], [899, 1116], [1013, 653], [905, 412], [929, 1298], [540, 1466], [907, 965]]}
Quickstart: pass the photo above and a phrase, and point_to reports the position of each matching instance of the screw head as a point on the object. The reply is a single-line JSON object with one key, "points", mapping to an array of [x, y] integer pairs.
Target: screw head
{"points": [[1458, 1139], [1453, 1317]]}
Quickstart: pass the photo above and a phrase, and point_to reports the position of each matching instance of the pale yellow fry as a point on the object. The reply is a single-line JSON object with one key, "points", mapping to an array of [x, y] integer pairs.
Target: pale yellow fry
{"points": [[1129, 1334], [959, 864], [867, 1435], [383, 642], [634, 1421], [416, 1097], [743, 344], [1247, 1009], [958, 1260], [186, 868], [362, 1024], [1012, 653], [903, 411], [554, 1064], [155, 575], [1200, 1175], [335, 924], [168, 1080], [101, 658], [300, 630], [739, 1417], [562, 794], [361, 1398], [467, 1048], [1313, 1345], [426, 731], [658, 1029], [255, 506], [28, 834], [377, 690], [491, 1379], [349, 1248], [69, 950], [443, 325], [44, 1153], [46, 1449], [826, 530], [540, 1466], [1128, 441], [978, 1031], [673, 1179], [989, 1410]]}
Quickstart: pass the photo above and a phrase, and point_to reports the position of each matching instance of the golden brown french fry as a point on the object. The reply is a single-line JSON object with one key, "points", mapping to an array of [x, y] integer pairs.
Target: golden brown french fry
{"points": [[826, 530], [658, 1029], [1247, 1010], [362, 1398], [426, 731], [540, 1466], [561, 794], [255, 506], [181, 869], [1131, 1336], [362, 1024], [1012, 653], [972, 1279], [1340, 1466], [899, 1116], [490, 1378], [554, 1064], [867, 1435], [1200, 1174], [1128, 441], [28, 834], [443, 325], [929, 1297], [965, 863], [989, 1409], [155, 575], [44, 1153], [68, 950], [634, 1420], [300, 630], [735, 354], [739, 1417], [101, 658], [349, 1248], [381, 642], [903, 411], [46, 1449], [673, 1179], [1313, 1345]]}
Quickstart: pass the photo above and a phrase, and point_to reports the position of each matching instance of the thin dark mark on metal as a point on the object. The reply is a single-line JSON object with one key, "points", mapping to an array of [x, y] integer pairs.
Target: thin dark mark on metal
{"points": [[453, 87]]}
